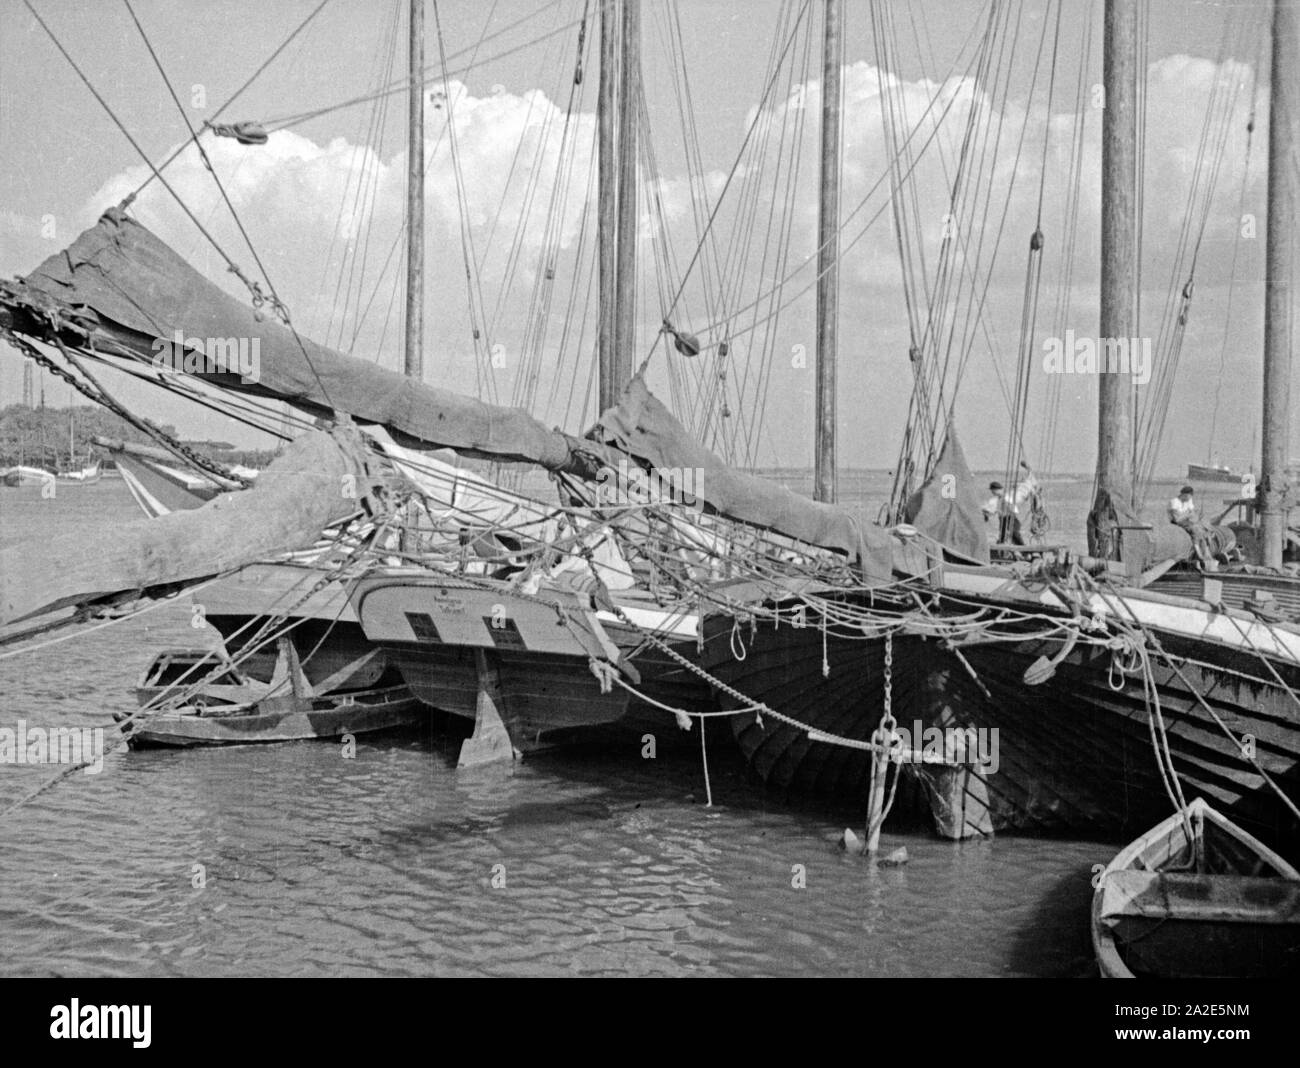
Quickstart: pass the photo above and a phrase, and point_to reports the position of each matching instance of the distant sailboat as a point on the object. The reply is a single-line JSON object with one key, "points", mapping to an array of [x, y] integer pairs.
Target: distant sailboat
{"points": [[81, 476], [25, 475]]}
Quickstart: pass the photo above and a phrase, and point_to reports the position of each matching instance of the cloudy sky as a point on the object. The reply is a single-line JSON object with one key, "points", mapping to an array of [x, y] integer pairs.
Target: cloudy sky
{"points": [[510, 147]]}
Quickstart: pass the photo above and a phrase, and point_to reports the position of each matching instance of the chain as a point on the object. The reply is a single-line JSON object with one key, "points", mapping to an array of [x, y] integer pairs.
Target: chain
{"points": [[98, 396], [887, 720], [35, 354]]}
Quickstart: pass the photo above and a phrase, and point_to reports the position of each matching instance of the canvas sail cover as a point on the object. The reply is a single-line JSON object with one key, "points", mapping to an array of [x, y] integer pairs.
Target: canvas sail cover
{"points": [[947, 507], [641, 424], [130, 279], [294, 499], [120, 279]]}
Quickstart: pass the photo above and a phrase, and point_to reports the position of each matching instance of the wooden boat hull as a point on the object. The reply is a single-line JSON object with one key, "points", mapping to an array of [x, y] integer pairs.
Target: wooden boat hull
{"points": [[835, 683], [1086, 735], [25, 476], [279, 719], [782, 667], [1233, 913], [1229, 697], [1074, 753], [328, 639], [540, 649], [203, 698]]}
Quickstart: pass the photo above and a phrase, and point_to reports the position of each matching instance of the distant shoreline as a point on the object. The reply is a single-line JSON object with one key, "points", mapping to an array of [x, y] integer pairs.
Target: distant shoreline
{"points": [[990, 473]]}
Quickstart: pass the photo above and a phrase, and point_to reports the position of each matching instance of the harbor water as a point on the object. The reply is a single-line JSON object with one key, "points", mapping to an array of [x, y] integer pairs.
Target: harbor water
{"points": [[304, 859]]}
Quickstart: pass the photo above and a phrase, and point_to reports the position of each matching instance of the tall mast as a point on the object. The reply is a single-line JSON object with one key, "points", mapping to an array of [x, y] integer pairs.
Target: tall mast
{"points": [[607, 201], [629, 119], [1278, 285], [828, 254], [1118, 267], [414, 363], [617, 117]]}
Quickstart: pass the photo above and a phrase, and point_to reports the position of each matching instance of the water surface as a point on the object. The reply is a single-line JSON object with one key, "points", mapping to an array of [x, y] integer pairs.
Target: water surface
{"points": [[395, 863]]}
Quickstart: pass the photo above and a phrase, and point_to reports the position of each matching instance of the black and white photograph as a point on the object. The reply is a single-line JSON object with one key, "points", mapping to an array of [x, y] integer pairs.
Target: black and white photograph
{"points": [[650, 489]]}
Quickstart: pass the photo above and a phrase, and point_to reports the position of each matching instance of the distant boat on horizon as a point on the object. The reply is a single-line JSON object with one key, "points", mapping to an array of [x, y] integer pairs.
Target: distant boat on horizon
{"points": [[1213, 473], [25, 475], [83, 476]]}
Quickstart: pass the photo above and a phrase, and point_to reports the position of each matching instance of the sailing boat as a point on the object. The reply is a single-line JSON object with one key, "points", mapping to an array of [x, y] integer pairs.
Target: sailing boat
{"points": [[1107, 698], [809, 690], [488, 650], [23, 473], [318, 645], [73, 475], [66, 475], [322, 648], [1188, 696], [123, 284]]}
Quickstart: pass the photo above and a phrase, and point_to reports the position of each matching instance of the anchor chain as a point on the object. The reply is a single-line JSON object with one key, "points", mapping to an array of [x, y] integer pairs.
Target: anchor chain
{"points": [[99, 397], [887, 749]]}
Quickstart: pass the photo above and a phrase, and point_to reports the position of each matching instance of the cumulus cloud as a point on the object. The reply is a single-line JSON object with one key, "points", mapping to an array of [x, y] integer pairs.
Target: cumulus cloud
{"points": [[495, 185], [1006, 178]]}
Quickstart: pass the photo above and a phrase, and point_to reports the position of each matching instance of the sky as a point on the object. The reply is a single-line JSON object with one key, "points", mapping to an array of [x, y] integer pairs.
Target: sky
{"points": [[511, 148]]}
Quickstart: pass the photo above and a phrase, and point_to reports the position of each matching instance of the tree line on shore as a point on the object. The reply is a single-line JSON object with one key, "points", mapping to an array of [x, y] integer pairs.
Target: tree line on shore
{"points": [[61, 438]]}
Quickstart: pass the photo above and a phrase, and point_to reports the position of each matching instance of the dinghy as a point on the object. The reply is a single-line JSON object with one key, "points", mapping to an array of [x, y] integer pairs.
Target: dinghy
{"points": [[227, 708], [1197, 897]]}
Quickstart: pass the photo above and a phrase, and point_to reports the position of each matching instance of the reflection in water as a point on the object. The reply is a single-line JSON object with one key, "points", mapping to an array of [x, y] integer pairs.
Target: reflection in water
{"points": [[291, 860]]}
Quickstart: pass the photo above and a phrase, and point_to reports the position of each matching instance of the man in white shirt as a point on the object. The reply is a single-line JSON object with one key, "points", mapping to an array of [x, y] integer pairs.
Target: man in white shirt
{"points": [[1006, 505], [1182, 509], [1182, 513]]}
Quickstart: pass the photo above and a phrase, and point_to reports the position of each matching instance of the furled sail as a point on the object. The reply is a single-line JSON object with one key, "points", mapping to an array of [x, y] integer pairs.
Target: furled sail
{"points": [[641, 424], [317, 482], [130, 284], [947, 506], [118, 288]]}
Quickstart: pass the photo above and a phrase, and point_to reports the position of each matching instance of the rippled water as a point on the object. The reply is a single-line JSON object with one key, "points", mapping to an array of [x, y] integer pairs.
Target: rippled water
{"points": [[394, 863]]}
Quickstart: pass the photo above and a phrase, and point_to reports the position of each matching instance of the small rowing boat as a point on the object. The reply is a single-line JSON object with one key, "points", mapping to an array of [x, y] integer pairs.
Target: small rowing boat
{"points": [[215, 704], [1197, 897]]}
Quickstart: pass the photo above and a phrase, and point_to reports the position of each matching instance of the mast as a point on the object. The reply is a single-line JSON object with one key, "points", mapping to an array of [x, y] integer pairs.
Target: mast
{"points": [[1118, 271], [607, 201], [414, 363], [617, 117], [629, 119], [1278, 285], [828, 253]]}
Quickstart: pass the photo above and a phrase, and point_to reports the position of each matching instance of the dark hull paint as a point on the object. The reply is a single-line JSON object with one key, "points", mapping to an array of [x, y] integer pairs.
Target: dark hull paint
{"points": [[280, 719], [1074, 754]]}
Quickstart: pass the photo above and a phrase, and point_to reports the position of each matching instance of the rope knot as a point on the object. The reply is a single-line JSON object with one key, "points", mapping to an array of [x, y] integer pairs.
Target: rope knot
{"points": [[605, 673]]}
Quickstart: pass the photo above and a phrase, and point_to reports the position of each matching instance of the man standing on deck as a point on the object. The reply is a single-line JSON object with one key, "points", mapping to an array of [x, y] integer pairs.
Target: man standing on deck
{"points": [[1006, 505], [1183, 513]]}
